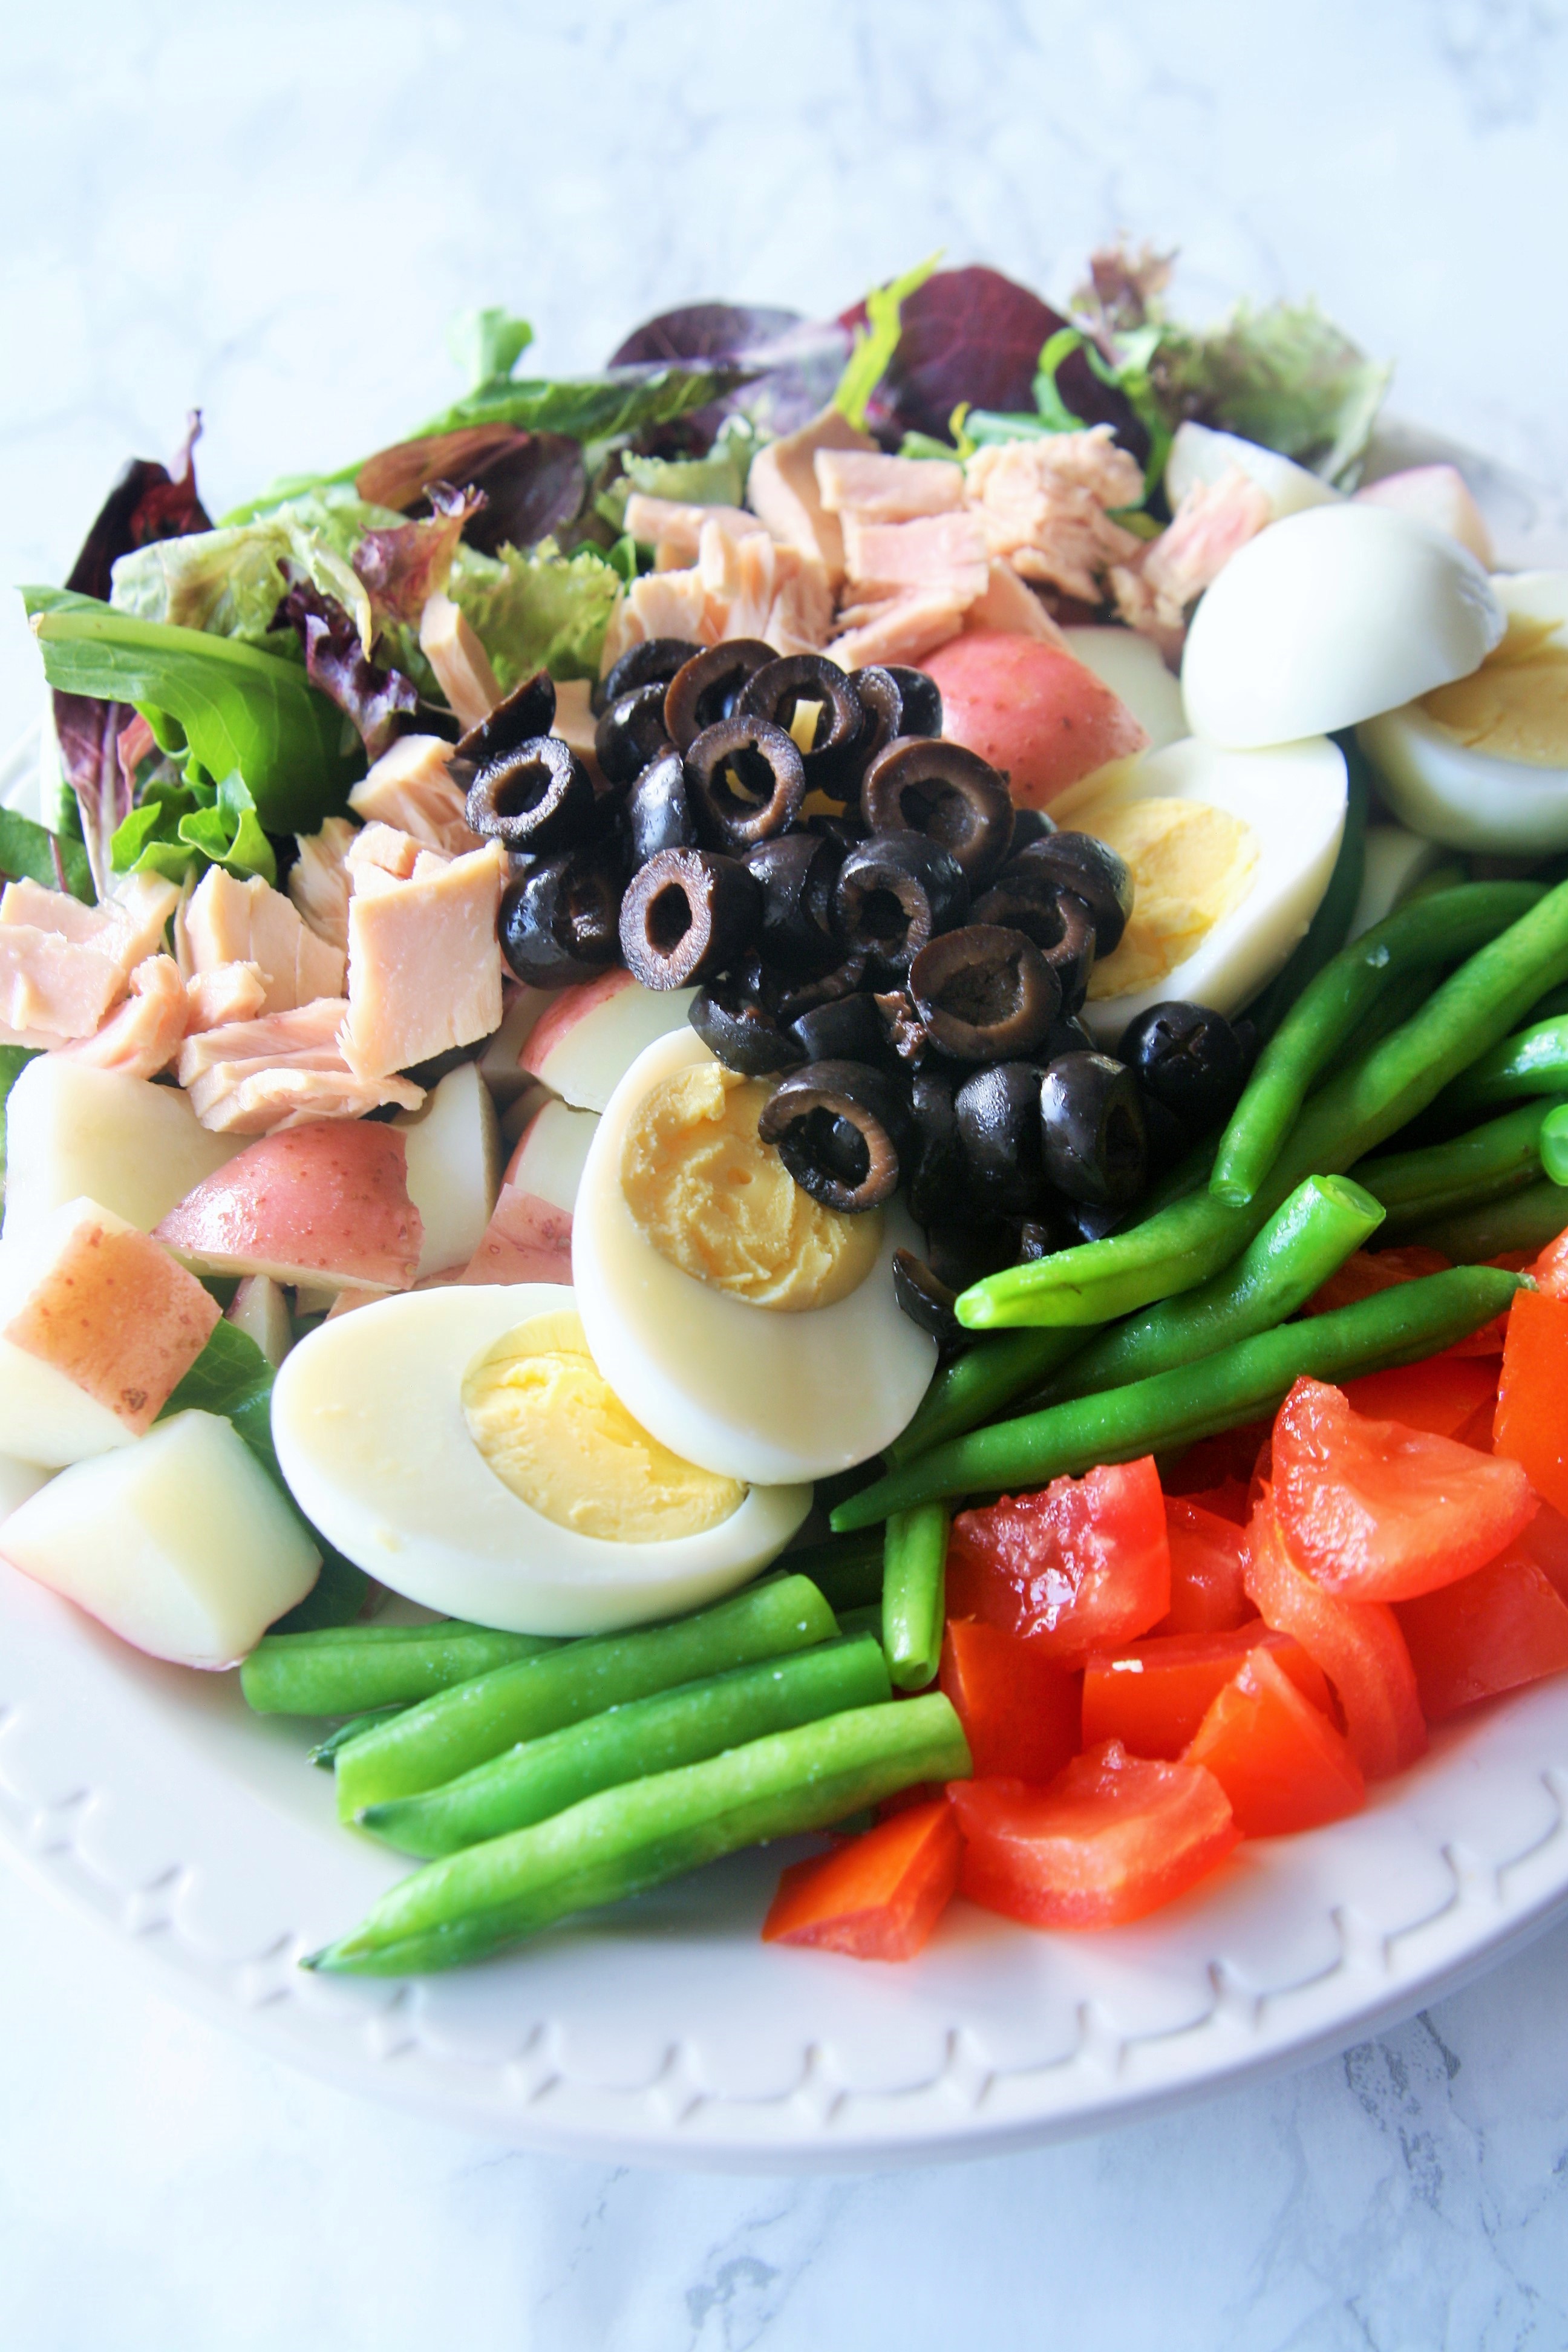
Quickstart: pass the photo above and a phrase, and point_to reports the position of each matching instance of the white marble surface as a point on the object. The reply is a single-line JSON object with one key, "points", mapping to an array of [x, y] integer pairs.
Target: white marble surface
{"points": [[272, 215]]}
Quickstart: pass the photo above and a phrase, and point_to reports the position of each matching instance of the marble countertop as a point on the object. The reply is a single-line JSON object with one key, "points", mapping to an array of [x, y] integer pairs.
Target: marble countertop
{"points": [[273, 217]]}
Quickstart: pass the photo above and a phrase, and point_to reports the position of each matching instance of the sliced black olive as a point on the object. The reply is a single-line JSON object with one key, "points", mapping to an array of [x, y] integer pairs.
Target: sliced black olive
{"points": [[844, 980], [537, 799], [686, 916], [926, 1301], [881, 711], [838, 1127], [1027, 899], [848, 1029], [985, 994], [922, 700], [901, 1024], [809, 681], [658, 811], [631, 733], [557, 920], [527, 711], [747, 780], [652, 663], [707, 687], [1043, 1235], [896, 892], [1189, 1058], [963, 1253], [738, 1033], [1029, 825], [1066, 1035], [952, 795], [798, 872], [999, 1120], [1094, 872], [938, 1178], [846, 832], [1091, 1119]]}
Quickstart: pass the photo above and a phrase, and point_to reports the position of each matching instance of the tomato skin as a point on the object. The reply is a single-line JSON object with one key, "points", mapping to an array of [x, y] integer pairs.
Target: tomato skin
{"points": [[1112, 1838], [877, 1896], [1278, 1758], [1367, 1271], [1505, 1625], [1033, 709], [1020, 1710], [1442, 1395], [1216, 1468], [1357, 1643], [1551, 1269], [1377, 1511], [1545, 1541], [1531, 1427], [1208, 1565], [1083, 1563], [1155, 1694]]}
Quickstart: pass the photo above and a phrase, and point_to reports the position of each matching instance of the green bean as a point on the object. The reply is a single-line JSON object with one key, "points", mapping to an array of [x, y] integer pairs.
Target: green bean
{"points": [[1175, 1409], [1417, 935], [1354, 1113], [1321, 1222], [1329, 927], [846, 1569], [1554, 1142], [1489, 1164], [325, 1752], [1526, 1222], [623, 1840], [1535, 1062], [542, 1777], [866, 1620], [913, 1584], [352, 1669], [432, 1743]]}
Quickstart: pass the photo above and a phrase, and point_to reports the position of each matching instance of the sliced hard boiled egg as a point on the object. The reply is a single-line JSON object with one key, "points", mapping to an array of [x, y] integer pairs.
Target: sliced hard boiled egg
{"points": [[1200, 453], [1230, 852], [1483, 763], [723, 1355], [1132, 666], [461, 1445], [1328, 618]]}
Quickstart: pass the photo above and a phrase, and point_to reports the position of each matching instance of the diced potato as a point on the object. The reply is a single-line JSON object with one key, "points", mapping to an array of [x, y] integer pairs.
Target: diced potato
{"points": [[134, 1147], [259, 1310], [18, 1480], [181, 1544], [322, 1203], [454, 1168]]}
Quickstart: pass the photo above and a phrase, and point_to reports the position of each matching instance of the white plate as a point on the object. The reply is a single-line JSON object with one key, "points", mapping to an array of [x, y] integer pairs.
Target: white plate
{"points": [[666, 2031]]}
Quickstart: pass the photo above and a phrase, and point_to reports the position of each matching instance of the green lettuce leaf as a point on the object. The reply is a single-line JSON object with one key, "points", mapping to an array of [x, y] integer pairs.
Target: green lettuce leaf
{"points": [[1284, 376], [537, 609], [228, 582], [28, 850], [876, 344], [487, 345], [593, 407]]}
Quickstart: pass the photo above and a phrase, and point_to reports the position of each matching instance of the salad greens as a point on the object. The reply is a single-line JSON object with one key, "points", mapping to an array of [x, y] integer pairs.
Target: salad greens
{"points": [[876, 344], [54, 859], [1285, 376]]}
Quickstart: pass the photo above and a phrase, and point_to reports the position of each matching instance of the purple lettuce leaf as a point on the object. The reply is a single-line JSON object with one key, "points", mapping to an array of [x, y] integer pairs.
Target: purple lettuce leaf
{"points": [[381, 703]]}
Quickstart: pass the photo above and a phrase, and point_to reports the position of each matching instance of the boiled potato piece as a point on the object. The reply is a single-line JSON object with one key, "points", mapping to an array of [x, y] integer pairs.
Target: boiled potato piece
{"points": [[134, 1146], [454, 1168]]}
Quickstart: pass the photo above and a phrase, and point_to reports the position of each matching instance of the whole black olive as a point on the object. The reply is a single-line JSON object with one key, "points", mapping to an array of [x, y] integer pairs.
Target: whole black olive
{"points": [[1027, 899], [922, 698], [536, 799], [928, 1302], [896, 892], [707, 687], [999, 1120], [798, 872], [557, 920], [1092, 870], [1188, 1057], [658, 811], [937, 1176], [849, 1029], [1029, 825], [653, 662], [738, 1033], [985, 993], [802, 682], [1091, 1119], [952, 795], [686, 916], [527, 711], [747, 781], [838, 1127], [631, 733]]}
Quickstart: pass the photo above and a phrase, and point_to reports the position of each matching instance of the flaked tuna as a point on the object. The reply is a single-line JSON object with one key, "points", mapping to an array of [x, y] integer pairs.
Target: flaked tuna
{"points": [[226, 921], [1046, 506], [318, 881], [425, 970], [1156, 589], [887, 489], [230, 992], [411, 787], [462, 667], [782, 488], [142, 1037]]}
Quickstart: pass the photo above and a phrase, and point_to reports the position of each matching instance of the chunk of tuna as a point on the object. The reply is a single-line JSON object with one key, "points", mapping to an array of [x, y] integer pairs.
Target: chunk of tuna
{"points": [[674, 529], [144, 1035], [659, 604], [462, 667], [411, 787], [385, 848], [325, 1203], [127, 928], [51, 988], [1011, 605], [425, 971], [318, 881], [230, 992], [1154, 591], [945, 552], [1044, 505], [276, 1037], [800, 620], [887, 489], [226, 921], [782, 488], [898, 629], [240, 1099]]}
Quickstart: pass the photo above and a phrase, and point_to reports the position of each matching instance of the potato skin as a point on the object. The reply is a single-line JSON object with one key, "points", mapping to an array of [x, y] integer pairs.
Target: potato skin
{"points": [[1033, 710]]}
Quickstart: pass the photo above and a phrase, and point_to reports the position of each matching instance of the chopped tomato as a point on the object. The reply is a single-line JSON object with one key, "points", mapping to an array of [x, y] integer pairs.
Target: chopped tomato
{"points": [[1019, 1707], [1111, 1838], [1154, 1694], [1357, 1643], [1208, 1561], [1443, 1395], [1379, 1512], [1278, 1758], [1551, 1269], [1532, 1425], [1545, 1541], [1367, 1271], [1505, 1625], [1083, 1563], [877, 1896], [1217, 1465]]}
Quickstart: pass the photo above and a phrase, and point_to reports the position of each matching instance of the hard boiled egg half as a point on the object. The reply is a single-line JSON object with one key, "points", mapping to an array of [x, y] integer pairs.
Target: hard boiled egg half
{"points": [[1483, 763], [1230, 852], [751, 1329], [462, 1446]]}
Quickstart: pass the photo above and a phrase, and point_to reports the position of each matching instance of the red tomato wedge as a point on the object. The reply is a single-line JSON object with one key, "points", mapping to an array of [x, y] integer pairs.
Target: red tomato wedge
{"points": [[1277, 1757], [1505, 1625], [1379, 1512], [1551, 1269], [1215, 1466], [1532, 1424], [1357, 1643], [1111, 1838], [1081, 1565], [1018, 1708], [1367, 1271], [1443, 1395], [1208, 1562], [1154, 1695], [1545, 1541], [1032, 709], [876, 1897]]}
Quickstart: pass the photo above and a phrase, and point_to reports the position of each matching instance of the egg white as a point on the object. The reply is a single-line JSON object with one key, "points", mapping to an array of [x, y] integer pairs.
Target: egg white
{"points": [[368, 1423], [1293, 797], [748, 1392], [1132, 666], [1200, 453]]}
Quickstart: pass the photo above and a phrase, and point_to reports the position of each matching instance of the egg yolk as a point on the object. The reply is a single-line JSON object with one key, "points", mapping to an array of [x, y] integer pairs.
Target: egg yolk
{"points": [[1191, 864], [719, 1203], [1516, 704], [551, 1429]]}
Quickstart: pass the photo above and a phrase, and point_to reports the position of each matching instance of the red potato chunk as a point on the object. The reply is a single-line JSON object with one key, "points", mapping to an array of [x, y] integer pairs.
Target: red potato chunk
{"points": [[120, 1317], [1031, 710], [326, 1203]]}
